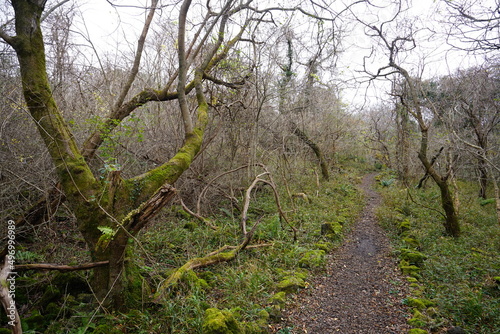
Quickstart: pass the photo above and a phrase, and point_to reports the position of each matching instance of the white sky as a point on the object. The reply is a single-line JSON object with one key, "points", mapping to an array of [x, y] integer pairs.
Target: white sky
{"points": [[107, 28]]}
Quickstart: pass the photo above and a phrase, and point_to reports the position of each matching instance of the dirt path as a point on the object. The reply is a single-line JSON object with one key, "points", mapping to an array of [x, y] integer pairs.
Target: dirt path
{"points": [[362, 289]]}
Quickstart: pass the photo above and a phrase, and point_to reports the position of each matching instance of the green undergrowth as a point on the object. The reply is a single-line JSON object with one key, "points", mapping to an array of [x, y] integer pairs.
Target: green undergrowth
{"points": [[453, 280], [245, 295]]}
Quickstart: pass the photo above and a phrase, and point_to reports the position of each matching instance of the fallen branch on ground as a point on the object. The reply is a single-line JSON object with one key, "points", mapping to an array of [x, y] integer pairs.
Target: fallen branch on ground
{"points": [[60, 267], [201, 262]]}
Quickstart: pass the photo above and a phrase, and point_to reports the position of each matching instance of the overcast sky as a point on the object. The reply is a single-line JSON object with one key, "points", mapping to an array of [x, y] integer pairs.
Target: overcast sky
{"points": [[432, 56]]}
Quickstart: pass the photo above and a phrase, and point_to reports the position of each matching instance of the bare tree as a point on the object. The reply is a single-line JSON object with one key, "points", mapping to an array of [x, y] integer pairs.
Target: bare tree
{"points": [[473, 25], [403, 42]]}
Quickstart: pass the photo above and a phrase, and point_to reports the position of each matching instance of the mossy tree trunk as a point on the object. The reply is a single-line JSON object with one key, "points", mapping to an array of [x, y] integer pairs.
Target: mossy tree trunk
{"points": [[111, 212], [451, 224]]}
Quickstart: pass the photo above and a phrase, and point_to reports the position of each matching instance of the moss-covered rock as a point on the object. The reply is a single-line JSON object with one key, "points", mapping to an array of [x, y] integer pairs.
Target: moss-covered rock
{"points": [[291, 284], [278, 298], [418, 319], [432, 312], [253, 328], [331, 230], [417, 289], [191, 280], [417, 331], [275, 312], [412, 256], [324, 246], [419, 303], [220, 322], [411, 242], [313, 259], [190, 226], [409, 269]]}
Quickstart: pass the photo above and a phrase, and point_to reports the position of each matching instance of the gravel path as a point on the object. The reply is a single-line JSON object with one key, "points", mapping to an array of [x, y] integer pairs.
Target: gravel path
{"points": [[362, 289]]}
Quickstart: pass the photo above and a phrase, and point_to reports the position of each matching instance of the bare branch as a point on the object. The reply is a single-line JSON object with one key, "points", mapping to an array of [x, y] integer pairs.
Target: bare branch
{"points": [[51, 10], [60, 267], [138, 56]]}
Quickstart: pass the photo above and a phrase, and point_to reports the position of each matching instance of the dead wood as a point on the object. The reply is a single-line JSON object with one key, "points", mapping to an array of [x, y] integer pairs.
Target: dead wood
{"points": [[202, 219], [200, 262], [7, 295], [60, 267]]}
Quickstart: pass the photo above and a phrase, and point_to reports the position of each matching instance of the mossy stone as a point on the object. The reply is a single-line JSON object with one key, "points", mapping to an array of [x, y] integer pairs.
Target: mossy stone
{"points": [[432, 311], [410, 270], [324, 246], [420, 303], [313, 259], [190, 226], [331, 229], [263, 315], [291, 284], [418, 319], [220, 322], [192, 281], [275, 312], [253, 328], [412, 256], [417, 331], [417, 289], [417, 303], [278, 298]]}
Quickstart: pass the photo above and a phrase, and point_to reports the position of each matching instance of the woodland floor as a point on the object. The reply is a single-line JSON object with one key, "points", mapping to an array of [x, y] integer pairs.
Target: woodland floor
{"points": [[362, 290]]}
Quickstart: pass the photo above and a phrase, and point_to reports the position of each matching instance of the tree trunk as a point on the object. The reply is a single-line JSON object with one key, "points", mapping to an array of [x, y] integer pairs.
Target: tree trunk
{"points": [[451, 224], [483, 176], [402, 153], [317, 151], [109, 214]]}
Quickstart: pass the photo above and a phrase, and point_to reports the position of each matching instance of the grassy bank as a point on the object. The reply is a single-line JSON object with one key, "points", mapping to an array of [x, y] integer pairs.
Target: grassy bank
{"points": [[458, 279]]}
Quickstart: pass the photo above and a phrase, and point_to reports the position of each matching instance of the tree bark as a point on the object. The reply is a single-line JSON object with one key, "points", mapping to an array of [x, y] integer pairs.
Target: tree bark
{"points": [[121, 206]]}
